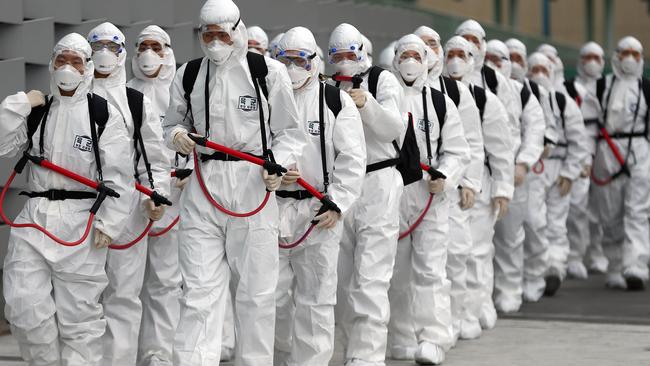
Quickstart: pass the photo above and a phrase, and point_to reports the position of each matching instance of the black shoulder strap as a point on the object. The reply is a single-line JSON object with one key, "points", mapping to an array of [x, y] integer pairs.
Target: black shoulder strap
{"points": [[534, 88], [451, 89], [259, 70], [645, 86], [561, 103], [571, 88], [524, 95], [480, 98], [322, 89], [98, 112], [136, 102], [38, 117], [189, 77], [373, 80], [440, 105], [490, 77], [333, 99], [601, 84]]}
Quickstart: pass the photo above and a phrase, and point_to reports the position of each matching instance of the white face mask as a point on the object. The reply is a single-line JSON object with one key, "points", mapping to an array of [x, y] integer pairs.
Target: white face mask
{"points": [[410, 69], [347, 67], [255, 50], [456, 67], [518, 72], [629, 65], [149, 62], [67, 78], [218, 52], [105, 61], [542, 79], [593, 69], [298, 76]]}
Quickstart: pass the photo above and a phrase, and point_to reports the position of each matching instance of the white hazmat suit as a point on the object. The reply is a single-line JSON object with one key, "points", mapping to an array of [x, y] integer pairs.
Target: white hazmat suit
{"points": [[212, 245], [52, 291]]}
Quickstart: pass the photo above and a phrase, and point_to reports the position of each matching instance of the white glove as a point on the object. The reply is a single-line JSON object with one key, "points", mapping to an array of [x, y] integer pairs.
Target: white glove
{"points": [[290, 177], [272, 181], [183, 143], [36, 98], [327, 219], [154, 212], [180, 183], [102, 240]]}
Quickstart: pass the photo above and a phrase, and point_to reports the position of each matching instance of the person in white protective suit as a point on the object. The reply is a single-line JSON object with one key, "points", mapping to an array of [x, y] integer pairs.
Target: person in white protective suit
{"points": [[549, 198], [125, 268], [583, 228], [623, 203], [258, 41], [367, 46], [52, 292], [305, 334], [386, 56], [371, 228], [420, 324], [154, 67], [213, 246], [558, 66], [460, 242], [496, 191], [486, 77], [509, 232]]}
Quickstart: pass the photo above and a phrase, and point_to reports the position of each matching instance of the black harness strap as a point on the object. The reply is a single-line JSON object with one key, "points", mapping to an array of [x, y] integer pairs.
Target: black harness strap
{"points": [[136, 102]]}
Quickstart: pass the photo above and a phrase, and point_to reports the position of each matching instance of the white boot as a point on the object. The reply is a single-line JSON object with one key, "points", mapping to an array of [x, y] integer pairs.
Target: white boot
{"points": [[429, 354], [402, 353], [577, 270]]}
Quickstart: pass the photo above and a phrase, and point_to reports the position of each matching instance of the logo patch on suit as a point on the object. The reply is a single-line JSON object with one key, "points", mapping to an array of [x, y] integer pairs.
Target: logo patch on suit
{"points": [[83, 143], [421, 125], [247, 103], [313, 127]]}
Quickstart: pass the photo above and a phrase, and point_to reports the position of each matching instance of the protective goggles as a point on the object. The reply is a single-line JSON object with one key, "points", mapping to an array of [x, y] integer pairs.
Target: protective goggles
{"points": [[222, 32], [300, 58], [111, 46], [354, 52]]}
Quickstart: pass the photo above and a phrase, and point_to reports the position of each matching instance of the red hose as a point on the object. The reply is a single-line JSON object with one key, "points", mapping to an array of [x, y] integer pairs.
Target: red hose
{"points": [[419, 219], [134, 241], [538, 168], [617, 154], [214, 203], [91, 217], [165, 230], [299, 241]]}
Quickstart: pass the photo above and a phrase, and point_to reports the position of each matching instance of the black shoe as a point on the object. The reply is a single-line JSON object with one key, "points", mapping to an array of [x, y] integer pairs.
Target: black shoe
{"points": [[634, 283], [552, 285]]}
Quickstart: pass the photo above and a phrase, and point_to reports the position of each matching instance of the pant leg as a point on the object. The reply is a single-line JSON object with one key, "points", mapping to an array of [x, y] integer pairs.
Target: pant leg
{"points": [[122, 305], [536, 242], [578, 220], [206, 275], [252, 252], [557, 211], [460, 245], [480, 268], [315, 267], [284, 308], [345, 268], [29, 306], [431, 288], [401, 331], [509, 251], [636, 243], [228, 337], [78, 310], [377, 229], [610, 207], [160, 298]]}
